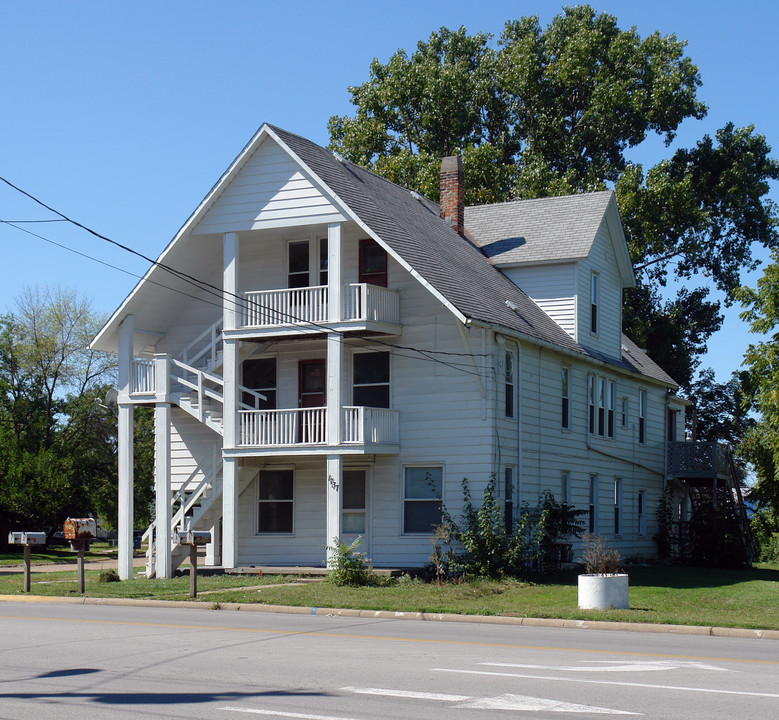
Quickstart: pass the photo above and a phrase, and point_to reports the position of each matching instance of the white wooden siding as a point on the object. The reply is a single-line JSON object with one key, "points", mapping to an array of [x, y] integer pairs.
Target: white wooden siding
{"points": [[193, 448], [270, 190], [552, 288], [601, 260]]}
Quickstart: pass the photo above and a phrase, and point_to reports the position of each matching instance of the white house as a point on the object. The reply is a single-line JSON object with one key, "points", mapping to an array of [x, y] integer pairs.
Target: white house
{"points": [[329, 355]]}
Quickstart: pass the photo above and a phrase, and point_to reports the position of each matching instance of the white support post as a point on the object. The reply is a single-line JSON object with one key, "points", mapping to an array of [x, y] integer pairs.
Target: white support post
{"points": [[125, 451], [164, 565], [333, 512], [231, 375], [335, 361], [230, 512], [334, 283]]}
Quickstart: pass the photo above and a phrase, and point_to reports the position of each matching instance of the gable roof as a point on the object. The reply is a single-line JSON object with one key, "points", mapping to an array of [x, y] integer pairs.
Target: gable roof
{"points": [[408, 226], [548, 230]]}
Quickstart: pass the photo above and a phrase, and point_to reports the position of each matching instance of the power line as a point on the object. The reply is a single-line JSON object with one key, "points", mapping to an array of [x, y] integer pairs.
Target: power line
{"points": [[202, 285]]}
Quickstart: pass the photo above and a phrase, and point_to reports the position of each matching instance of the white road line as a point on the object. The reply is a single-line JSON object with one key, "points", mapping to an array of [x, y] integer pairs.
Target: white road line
{"points": [[281, 713], [408, 694], [608, 682], [613, 666], [527, 703]]}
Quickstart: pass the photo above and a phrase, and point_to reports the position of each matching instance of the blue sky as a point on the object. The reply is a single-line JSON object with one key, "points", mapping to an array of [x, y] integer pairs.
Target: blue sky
{"points": [[123, 115]]}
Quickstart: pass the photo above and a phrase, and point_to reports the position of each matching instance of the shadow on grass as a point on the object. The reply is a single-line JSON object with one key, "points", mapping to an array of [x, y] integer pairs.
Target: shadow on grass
{"points": [[672, 576]]}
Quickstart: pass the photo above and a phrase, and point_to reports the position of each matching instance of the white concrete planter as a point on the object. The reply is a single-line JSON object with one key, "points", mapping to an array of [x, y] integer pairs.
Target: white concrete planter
{"points": [[603, 592]]}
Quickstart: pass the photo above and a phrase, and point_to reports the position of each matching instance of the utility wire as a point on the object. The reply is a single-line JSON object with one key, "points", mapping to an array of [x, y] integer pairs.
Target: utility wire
{"points": [[238, 301]]}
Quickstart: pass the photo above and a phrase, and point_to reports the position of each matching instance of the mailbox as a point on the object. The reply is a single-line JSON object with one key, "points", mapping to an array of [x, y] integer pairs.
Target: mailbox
{"points": [[193, 537], [79, 528], [26, 538]]}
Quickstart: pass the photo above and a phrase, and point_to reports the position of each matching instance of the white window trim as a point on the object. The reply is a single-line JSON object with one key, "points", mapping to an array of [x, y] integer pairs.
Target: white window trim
{"points": [[641, 512], [565, 370], [593, 505], [594, 302], [619, 506], [402, 515], [366, 535], [365, 351], [257, 501]]}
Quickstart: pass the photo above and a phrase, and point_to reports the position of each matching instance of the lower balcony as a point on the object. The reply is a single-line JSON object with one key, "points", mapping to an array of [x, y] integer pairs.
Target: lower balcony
{"points": [[364, 430]]}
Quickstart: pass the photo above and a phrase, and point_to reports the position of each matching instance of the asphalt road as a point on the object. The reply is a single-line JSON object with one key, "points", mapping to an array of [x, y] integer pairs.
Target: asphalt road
{"points": [[87, 661]]}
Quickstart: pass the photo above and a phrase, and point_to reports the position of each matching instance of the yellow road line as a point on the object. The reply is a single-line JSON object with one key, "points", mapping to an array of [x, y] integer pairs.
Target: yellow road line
{"points": [[389, 638]]}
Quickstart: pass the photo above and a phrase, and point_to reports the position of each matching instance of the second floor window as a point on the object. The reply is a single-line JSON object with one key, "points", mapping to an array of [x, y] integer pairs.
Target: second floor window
{"points": [[298, 263], [371, 379], [373, 263], [642, 416], [509, 384], [565, 418], [259, 374]]}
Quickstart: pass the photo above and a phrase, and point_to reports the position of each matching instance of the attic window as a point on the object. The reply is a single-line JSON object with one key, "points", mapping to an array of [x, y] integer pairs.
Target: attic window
{"points": [[594, 303]]}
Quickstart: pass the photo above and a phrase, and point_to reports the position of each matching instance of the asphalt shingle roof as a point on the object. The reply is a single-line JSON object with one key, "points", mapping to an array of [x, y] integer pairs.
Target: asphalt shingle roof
{"points": [[538, 231], [453, 265]]}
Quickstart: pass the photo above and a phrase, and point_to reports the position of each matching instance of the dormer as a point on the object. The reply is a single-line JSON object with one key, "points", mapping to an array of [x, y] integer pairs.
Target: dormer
{"points": [[568, 254]]}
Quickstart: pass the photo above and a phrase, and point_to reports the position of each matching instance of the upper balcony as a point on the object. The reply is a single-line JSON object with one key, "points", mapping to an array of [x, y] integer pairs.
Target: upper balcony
{"points": [[295, 311], [699, 460]]}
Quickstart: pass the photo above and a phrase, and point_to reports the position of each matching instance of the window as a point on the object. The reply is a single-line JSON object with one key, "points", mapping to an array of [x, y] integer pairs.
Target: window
{"points": [[275, 501], [641, 513], [671, 425], [509, 384], [353, 502], [601, 407], [323, 261], [642, 416], [297, 270], [624, 413], [260, 375], [617, 506], [422, 494], [594, 303], [610, 409], [593, 526], [371, 379], [373, 263], [508, 495], [600, 395], [566, 488], [591, 402], [565, 418]]}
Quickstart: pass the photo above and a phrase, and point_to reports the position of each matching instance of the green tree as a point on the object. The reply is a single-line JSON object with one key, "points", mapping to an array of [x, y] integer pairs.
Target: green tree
{"points": [[57, 445], [550, 111]]}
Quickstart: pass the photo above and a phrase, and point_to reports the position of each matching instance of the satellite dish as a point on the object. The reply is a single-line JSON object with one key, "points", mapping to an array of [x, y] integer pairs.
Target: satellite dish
{"points": [[111, 397]]}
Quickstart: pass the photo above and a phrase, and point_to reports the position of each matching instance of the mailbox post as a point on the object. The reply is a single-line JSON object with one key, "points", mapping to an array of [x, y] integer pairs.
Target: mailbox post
{"points": [[26, 539], [80, 531], [193, 538]]}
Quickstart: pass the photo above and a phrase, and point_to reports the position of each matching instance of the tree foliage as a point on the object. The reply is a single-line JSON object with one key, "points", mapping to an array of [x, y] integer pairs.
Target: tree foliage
{"points": [[57, 444], [553, 110]]}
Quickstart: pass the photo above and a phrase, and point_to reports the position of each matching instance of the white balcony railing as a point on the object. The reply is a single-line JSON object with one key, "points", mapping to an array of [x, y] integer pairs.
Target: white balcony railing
{"points": [[308, 426], [273, 428], [370, 426], [142, 376], [271, 308], [300, 306], [362, 301]]}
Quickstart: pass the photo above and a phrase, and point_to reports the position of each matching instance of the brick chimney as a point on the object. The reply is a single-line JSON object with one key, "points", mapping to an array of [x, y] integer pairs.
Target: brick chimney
{"points": [[453, 193]]}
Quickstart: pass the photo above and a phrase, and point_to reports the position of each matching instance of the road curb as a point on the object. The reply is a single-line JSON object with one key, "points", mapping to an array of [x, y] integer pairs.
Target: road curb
{"points": [[398, 615]]}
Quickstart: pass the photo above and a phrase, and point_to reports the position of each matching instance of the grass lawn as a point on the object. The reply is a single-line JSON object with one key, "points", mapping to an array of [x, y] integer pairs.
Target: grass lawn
{"points": [[681, 596], [56, 553]]}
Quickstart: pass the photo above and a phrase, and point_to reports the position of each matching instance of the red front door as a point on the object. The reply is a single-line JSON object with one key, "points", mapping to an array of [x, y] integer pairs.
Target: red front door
{"points": [[312, 393]]}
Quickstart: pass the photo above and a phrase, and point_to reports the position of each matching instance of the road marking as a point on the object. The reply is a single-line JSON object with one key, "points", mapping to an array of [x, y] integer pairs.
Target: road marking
{"points": [[390, 638], [534, 704], [507, 701], [281, 713], [408, 694], [615, 666], [608, 682]]}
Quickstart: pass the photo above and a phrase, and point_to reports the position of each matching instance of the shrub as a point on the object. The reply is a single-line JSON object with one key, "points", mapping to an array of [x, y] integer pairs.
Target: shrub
{"points": [[108, 576], [599, 559], [765, 533], [481, 545], [347, 566]]}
